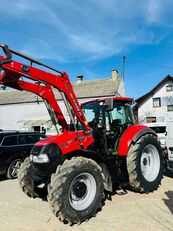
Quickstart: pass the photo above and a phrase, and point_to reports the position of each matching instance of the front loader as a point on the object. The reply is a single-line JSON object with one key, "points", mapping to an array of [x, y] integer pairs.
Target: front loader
{"points": [[100, 149]]}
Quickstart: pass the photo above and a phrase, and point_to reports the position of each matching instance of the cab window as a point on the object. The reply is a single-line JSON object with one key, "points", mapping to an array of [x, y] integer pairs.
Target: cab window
{"points": [[91, 111], [119, 113]]}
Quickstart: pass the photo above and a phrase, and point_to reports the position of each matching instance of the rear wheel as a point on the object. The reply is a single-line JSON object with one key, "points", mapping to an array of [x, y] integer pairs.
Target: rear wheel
{"points": [[27, 183], [145, 164], [76, 190], [13, 169]]}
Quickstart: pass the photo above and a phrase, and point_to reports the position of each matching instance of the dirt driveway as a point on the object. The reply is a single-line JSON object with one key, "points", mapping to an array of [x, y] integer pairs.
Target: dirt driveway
{"points": [[129, 212]]}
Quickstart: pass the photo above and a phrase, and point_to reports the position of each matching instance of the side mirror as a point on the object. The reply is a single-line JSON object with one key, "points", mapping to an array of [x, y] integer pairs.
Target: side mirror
{"points": [[109, 103]]}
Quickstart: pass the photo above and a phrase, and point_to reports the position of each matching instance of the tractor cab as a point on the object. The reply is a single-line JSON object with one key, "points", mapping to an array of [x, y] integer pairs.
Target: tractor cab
{"points": [[108, 118]]}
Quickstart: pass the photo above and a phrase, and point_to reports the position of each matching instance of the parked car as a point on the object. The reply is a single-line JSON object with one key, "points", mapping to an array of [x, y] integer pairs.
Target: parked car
{"points": [[15, 146]]}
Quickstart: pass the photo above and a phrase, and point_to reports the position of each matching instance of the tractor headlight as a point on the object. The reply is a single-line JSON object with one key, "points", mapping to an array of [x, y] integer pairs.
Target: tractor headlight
{"points": [[41, 158], [49, 153]]}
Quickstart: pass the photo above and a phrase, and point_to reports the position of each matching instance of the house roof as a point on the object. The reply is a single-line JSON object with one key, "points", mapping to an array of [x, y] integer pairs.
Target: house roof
{"points": [[143, 98], [85, 89]]}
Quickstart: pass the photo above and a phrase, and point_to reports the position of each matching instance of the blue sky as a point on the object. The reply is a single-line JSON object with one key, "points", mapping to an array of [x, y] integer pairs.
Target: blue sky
{"points": [[90, 37]]}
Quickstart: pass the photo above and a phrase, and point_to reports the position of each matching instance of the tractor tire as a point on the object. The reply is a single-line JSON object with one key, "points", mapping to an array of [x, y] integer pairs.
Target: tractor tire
{"points": [[26, 182], [76, 190], [145, 164]]}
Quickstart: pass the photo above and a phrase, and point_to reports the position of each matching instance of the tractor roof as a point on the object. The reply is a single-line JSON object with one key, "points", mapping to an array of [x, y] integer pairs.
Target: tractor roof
{"points": [[115, 98]]}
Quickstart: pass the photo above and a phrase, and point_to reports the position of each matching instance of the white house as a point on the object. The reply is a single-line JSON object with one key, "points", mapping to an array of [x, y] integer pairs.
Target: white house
{"points": [[21, 110], [156, 107]]}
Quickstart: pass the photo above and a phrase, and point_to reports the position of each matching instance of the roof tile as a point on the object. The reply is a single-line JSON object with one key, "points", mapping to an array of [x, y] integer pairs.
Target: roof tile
{"points": [[85, 89]]}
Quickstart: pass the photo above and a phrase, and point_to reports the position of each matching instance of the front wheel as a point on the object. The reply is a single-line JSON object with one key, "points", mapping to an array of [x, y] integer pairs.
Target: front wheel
{"points": [[76, 190], [145, 164], [27, 182]]}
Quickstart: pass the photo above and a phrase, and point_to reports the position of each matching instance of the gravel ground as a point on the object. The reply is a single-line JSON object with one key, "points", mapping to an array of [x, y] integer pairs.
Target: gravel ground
{"points": [[125, 212]]}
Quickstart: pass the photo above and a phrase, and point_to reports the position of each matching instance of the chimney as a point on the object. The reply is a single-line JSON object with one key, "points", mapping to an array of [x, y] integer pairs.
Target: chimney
{"points": [[79, 78], [114, 74]]}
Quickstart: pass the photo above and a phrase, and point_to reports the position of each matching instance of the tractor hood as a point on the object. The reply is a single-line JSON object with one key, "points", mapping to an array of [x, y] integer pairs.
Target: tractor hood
{"points": [[69, 141]]}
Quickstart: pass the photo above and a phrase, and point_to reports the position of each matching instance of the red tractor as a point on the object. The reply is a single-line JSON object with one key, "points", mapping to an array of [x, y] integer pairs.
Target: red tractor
{"points": [[100, 149]]}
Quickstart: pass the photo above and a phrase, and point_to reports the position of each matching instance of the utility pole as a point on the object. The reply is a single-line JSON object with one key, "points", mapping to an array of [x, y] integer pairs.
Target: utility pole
{"points": [[123, 65]]}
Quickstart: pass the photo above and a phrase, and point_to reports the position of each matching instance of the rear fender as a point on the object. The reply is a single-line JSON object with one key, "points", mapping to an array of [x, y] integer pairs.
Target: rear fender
{"points": [[131, 135]]}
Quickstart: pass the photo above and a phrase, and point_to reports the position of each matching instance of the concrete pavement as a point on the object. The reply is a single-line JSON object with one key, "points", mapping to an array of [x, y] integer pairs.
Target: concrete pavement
{"points": [[129, 212]]}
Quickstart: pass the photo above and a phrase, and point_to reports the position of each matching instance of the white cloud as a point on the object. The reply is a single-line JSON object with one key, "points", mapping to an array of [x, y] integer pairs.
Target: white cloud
{"points": [[42, 50], [160, 12], [87, 30], [154, 11]]}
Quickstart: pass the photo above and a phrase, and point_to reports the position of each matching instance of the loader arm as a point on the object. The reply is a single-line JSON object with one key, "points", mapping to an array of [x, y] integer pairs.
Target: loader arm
{"points": [[45, 92], [13, 71]]}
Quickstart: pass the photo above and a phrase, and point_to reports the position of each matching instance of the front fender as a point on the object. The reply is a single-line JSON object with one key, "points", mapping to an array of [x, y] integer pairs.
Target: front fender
{"points": [[132, 134]]}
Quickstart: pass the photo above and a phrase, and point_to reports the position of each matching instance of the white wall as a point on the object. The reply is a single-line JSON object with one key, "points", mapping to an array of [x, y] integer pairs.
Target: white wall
{"points": [[11, 114], [121, 89], [161, 113]]}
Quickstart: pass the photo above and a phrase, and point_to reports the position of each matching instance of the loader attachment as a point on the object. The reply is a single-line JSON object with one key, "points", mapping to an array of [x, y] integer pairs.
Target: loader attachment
{"points": [[12, 71], [45, 92]]}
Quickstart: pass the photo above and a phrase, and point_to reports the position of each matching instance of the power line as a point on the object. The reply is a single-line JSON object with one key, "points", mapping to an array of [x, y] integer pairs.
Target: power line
{"points": [[148, 63]]}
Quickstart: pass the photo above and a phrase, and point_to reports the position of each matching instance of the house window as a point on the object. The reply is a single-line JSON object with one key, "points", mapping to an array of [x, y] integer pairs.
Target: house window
{"points": [[169, 87], [169, 107], [156, 102], [151, 119]]}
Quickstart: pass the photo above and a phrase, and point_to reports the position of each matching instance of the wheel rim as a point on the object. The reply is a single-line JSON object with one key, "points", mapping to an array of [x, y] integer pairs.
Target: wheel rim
{"points": [[150, 162], [14, 168], [82, 191]]}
